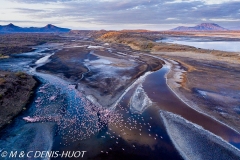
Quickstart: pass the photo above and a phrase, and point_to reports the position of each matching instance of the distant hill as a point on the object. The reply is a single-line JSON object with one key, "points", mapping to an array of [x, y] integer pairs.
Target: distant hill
{"points": [[201, 27], [11, 28]]}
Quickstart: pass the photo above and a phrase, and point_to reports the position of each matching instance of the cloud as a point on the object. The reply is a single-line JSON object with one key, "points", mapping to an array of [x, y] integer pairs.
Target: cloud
{"points": [[169, 19], [40, 1], [141, 12], [225, 20], [27, 10], [209, 2], [15, 21]]}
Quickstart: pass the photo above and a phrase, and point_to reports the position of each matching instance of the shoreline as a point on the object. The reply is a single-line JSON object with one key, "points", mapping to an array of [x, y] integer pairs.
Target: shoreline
{"points": [[181, 97], [109, 69], [174, 85], [173, 78], [174, 125], [100, 74], [131, 86], [14, 110]]}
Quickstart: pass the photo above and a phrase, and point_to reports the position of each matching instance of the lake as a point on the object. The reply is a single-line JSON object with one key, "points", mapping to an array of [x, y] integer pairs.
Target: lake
{"points": [[205, 43]]}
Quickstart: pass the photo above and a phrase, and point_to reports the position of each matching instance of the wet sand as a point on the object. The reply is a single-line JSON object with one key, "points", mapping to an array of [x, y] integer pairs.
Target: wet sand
{"points": [[193, 142], [158, 91], [101, 71], [138, 136], [208, 84], [144, 131], [163, 99]]}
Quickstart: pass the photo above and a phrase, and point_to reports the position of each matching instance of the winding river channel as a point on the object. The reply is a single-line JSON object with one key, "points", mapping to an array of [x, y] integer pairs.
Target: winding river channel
{"points": [[60, 118]]}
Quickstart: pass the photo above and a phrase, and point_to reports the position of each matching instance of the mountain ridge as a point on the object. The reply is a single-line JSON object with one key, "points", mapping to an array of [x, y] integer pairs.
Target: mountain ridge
{"points": [[201, 27], [11, 28]]}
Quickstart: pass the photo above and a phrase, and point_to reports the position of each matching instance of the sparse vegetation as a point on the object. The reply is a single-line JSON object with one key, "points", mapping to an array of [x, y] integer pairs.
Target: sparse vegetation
{"points": [[21, 75], [2, 81], [2, 56], [22, 42], [132, 39], [15, 91], [146, 41]]}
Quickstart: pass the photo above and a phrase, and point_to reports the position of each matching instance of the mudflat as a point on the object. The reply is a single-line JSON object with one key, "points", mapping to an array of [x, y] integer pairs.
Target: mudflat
{"points": [[209, 83], [100, 70], [24, 42], [208, 80], [148, 83]]}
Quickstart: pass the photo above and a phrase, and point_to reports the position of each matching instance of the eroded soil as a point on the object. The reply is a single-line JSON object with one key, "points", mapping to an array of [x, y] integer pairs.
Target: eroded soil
{"points": [[102, 71]]}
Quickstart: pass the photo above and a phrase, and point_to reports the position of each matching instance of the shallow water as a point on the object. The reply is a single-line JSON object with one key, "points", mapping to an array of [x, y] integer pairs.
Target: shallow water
{"points": [[158, 91], [205, 43], [20, 135], [64, 120]]}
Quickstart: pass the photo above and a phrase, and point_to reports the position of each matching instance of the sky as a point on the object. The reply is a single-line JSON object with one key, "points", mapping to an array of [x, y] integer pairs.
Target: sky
{"points": [[120, 14]]}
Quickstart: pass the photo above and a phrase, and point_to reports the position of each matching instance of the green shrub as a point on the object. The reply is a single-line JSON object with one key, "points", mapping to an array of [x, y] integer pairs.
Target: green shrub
{"points": [[21, 75], [2, 80]]}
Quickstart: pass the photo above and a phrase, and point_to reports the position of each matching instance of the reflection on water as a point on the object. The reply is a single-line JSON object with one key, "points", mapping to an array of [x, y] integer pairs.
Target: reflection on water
{"points": [[204, 43], [134, 136], [158, 91], [66, 121]]}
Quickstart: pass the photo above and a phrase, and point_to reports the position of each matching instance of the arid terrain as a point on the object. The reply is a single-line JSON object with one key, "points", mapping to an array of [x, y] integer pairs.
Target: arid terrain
{"points": [[210, 72], [159, 91], [15, 91], [209, 83], [210, 78], [100, 69], [23, 42], [17, 88]]}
